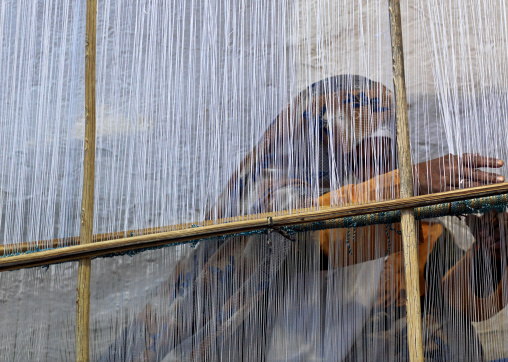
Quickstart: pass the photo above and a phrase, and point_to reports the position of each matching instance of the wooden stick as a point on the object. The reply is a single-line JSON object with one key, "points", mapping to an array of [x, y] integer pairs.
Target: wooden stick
{"points": [[86, 232], [419, 201], [408, 224], [74, 240], [178, 236]]}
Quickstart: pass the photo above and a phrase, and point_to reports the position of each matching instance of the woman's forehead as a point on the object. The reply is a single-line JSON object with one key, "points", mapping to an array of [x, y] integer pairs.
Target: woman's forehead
{"points": [[375, 101], [344, 82]]}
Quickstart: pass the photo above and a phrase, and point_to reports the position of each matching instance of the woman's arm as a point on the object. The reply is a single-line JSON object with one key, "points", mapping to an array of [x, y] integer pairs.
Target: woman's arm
{"points": [[351, 246], [475, 285]]}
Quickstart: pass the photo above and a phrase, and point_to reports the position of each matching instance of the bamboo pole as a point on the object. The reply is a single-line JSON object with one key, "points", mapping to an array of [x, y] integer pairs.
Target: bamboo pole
{"points": [[410, 202], [178, 236], [31, 246], [86, 232], [408, 224]]}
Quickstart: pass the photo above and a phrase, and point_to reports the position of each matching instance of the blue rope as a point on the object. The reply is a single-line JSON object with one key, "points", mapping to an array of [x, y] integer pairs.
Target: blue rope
{"points": [[479, 205]]}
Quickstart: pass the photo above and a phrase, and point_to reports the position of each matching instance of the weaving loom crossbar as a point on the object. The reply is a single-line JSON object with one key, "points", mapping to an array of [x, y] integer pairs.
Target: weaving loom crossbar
{"points": [[444, 198], [479, 205], [135, 245]]}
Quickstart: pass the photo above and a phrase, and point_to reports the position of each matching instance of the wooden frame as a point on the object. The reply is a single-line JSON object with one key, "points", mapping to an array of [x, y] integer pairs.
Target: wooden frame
{"points": [[186, 232], [86, 232], [408, 224], [181, 233]]}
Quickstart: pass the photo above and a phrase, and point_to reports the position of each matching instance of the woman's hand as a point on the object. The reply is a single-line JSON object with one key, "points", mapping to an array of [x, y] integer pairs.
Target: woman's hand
{"points": [[490, 232], [476, 284], [488, 251], [451, 172]]}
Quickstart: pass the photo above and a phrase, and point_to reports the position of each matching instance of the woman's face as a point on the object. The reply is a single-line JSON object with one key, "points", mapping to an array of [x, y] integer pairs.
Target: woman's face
{"points": [[354, 114], [358, 124]]}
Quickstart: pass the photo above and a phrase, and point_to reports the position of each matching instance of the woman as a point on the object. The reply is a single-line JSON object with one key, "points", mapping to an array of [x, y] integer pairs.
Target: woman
{"points": [[312, 295]]}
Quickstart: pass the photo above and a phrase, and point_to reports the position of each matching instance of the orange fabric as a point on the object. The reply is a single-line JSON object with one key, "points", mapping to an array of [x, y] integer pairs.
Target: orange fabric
{"points": [[393, 290], [350, 246], [383, 187]]}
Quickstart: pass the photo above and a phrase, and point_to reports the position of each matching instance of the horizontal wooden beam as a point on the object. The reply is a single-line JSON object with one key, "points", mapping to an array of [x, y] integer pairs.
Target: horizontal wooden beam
{"points": [[32, 246], [438, 198], [178, 236]]}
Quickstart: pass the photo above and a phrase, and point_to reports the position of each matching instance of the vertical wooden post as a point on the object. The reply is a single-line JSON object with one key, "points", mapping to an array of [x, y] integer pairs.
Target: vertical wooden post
{"points": [[86, 232], [408, 225]]}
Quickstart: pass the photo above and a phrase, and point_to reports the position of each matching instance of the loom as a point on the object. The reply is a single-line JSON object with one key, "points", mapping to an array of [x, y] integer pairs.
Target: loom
{"points": [[253, 180]]}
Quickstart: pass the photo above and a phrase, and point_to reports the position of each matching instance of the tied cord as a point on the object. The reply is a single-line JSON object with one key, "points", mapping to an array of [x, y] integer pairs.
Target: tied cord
{"points": [[278, 230]]}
